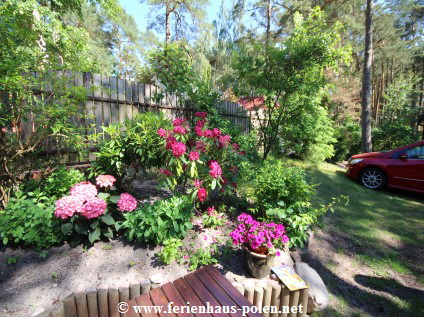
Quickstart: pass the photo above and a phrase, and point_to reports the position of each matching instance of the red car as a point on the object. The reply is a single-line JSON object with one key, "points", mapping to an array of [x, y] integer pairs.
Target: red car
{"points": [[401, 168]]}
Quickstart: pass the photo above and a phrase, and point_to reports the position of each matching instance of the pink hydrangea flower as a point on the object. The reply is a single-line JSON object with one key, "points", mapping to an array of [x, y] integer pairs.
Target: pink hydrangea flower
{"points": [[93, 208], [67, 206], [127, 202], [162, 133], [178, 149], [194, 156], [202, 194], [105, 180], [278, 253], [201, 114], [214, 169], [85, 190], [180, 130]]}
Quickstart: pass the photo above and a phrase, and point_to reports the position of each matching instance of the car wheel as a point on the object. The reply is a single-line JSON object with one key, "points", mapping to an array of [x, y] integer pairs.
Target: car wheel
{"points": [[373, 178]]}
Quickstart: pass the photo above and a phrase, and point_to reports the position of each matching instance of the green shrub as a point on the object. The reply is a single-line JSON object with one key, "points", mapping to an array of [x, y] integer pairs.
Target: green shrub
{"points": [[167, 218], [299, 218], [202, 257], [275, 182], [171, 251], [29, 219], [134, 144], [61, 180], [348, 136]]}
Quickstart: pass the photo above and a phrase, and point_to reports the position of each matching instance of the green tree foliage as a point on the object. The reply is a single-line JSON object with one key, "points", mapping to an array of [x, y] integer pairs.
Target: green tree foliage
{"points": [[181, 18], [291, 75], [34, 39]]}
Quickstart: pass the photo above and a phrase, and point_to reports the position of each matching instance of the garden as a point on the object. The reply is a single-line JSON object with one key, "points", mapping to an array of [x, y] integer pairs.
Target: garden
{"points": [[123, 163]]}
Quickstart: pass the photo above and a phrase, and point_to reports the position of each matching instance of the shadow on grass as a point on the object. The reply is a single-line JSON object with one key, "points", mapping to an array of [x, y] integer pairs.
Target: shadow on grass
{"points": [[391, 286], [384, 228]]}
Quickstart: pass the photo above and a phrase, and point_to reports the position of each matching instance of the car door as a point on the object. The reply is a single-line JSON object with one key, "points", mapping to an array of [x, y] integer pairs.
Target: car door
{"points": [[408, 170]]}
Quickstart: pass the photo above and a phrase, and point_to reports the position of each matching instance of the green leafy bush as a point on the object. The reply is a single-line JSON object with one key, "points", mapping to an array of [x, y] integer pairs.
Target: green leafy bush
{"points": [[213, 218], [58, 183], [299, 218], [275, 182], [202, 257], [171, 251], [134, 144], [165, 219], [28, 219], [348, 136], [79, 229]]}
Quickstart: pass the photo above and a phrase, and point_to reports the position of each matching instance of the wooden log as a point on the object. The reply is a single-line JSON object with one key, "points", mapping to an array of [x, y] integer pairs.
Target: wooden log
{"points": [[135, 290], [81, 301], [113, 301], [258, 298], [267, 299], [57, 310], [275, 299], [145, 286], [239, 287], [92, 302], [102, 298], [294, 302], [285, 301], [124, 293], [303, 300], [70, 306], [249, 292]]}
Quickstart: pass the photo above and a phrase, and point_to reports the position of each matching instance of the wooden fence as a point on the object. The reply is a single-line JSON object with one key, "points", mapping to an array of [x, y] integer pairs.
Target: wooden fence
{"points": [[103, 300], [112, 100]]}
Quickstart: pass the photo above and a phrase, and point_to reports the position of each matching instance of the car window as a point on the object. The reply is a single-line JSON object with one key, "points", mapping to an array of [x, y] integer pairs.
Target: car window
{"points": [[416, 152]]}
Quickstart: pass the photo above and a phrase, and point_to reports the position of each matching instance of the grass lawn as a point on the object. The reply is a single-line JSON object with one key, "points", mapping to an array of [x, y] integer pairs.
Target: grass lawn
{"points": [[369, 253]]}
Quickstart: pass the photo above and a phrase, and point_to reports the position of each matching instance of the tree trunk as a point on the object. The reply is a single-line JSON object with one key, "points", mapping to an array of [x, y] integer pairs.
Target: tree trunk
{"points": [[366, 144], [168, 23]]}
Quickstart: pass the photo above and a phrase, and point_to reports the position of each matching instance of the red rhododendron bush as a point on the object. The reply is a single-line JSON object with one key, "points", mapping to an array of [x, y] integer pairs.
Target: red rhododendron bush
{"points": [[199, 158]]}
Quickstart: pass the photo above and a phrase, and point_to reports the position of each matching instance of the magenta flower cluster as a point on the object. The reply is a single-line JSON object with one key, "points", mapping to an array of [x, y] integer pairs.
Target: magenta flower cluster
{"points": [[127, 202], [258, 236], [194, 144], [214, 169]]}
